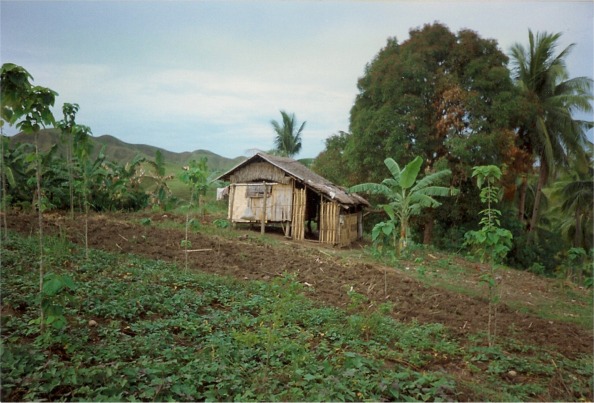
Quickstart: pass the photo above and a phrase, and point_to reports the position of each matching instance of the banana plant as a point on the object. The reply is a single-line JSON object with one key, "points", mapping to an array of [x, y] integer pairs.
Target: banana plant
{"points": [[407, 195]]}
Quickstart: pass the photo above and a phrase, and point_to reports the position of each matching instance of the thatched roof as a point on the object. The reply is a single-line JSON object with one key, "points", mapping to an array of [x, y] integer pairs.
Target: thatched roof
{"points": [[304, 175]]}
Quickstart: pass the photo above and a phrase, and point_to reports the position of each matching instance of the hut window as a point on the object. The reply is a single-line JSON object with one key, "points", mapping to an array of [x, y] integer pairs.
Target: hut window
{"points": [[255, 190]]}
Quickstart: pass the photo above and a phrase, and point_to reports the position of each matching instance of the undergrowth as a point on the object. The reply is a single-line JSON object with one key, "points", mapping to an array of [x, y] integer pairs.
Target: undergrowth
{"points": [[139, 329]]}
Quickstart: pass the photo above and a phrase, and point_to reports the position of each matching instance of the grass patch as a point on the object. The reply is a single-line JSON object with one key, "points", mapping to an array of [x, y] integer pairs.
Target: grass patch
{"points": [[562, 301]]}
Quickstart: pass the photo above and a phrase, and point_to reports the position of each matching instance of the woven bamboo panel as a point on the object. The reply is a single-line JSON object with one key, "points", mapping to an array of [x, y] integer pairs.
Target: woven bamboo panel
{"points": [[349, 229], [298, 221], [329, 225], [258, 172]]}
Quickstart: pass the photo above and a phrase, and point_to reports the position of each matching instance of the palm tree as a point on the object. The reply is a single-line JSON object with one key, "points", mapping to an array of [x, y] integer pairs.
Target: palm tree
{"points": [[288, 139], [550, 132], [406, 195], [574, 195]]}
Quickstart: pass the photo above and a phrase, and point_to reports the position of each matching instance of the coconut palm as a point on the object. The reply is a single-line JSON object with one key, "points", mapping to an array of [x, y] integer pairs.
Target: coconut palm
{"points": [[288, 138], [550, 132], [406, 195], [574, 195]]}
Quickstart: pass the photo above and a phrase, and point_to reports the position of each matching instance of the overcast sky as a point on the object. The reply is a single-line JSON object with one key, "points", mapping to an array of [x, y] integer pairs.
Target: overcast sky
{"points": [[187, 75]]}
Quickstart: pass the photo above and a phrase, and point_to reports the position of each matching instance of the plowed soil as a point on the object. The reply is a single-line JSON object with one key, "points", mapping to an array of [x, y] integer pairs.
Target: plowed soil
{"points": [[245, 256]]}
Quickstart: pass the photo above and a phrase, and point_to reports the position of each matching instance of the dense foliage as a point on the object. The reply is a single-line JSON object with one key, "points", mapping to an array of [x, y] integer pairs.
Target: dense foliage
{"points": [[451, 98], [146, 330]]}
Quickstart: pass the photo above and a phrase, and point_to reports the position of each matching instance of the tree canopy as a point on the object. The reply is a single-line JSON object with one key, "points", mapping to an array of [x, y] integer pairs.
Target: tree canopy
{"points": [[424, 95]]}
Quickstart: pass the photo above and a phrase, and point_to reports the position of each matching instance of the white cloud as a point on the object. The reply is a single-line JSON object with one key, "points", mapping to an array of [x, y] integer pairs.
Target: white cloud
{"points": [[213, 74]]}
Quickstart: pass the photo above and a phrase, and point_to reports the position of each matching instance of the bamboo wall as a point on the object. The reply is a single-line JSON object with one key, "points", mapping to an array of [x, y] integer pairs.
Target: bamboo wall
{"points": [[298, 224], [260, 171], [329, 222], [336, 228], [349, 228], [249, 209]]}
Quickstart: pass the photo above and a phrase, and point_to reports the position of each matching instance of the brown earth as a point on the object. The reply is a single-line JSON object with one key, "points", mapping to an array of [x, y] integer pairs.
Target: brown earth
{"points": [[246, 256]]}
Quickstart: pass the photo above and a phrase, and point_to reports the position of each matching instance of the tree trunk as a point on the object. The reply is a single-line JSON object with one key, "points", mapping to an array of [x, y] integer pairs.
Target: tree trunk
{"points": [[263, 218], [69, 149], [577, 237], [403, 241], [428, 230], [40, 231], [522, 205], [542, 179]]}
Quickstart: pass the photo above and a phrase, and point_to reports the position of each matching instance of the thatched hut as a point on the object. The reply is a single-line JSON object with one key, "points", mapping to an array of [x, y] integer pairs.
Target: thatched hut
{"points": [[270, 189]]}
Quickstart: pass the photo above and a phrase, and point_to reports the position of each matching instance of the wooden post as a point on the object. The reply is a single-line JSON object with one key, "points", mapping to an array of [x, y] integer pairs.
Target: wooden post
{"points": [[231, 199], [263, 221]]}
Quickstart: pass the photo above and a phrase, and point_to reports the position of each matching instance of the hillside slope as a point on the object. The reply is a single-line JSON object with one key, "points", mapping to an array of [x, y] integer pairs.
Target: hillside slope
{"points": [[121, 152]]}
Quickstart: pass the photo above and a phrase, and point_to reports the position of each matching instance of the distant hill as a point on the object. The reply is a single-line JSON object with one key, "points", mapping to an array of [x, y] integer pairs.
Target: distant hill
{"points": [[121, 152]]}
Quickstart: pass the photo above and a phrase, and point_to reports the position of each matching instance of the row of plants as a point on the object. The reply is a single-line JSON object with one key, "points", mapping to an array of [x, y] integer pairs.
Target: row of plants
{"points": [[71, 175], [124, 328], [48, 182]]}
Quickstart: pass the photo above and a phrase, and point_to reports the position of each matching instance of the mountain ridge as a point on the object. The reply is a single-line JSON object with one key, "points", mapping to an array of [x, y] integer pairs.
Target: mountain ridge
{"points": [[121, 152]]}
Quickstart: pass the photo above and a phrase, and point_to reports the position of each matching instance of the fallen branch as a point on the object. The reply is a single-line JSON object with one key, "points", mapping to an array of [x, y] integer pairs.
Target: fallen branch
{"points": [[325, 253], [196, 250], [124, 238]]}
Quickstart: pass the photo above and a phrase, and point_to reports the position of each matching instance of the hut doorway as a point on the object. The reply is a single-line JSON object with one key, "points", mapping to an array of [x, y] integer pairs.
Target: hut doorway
{"points": [[312, 215], [306, 214]]}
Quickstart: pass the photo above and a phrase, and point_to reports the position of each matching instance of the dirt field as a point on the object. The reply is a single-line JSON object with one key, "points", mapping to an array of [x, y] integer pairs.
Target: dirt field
{"points": [[244, 256]]}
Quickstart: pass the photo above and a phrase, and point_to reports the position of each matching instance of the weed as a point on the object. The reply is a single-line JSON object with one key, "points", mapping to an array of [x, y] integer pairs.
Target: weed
{"points": [[221, 223]]}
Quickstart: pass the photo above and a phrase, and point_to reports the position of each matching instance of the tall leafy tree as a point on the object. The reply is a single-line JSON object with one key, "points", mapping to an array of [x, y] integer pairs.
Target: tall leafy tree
{"points": [[426, 95], [447, 97], [6, 178], [82, 149], [550, 98], [66, 126], [29, 108], [330, 163], [287, 142]]}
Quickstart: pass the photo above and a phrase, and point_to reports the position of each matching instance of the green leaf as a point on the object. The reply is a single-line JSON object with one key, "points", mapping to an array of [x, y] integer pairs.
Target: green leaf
{"points": [[387, 229], [68, 282], [409, 174], [52, 286], [377, 229], [389, 209], [393, 168], [9, 176]]}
